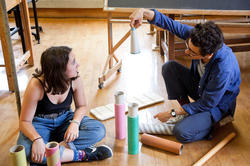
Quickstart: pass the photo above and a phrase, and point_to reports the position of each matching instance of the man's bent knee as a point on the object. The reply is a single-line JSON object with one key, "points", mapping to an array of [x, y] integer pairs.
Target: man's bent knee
{"points": [[168, 67], [182, 136]]}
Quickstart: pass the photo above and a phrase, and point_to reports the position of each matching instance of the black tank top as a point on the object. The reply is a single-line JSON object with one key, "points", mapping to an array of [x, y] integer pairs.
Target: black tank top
{"points": [[45, 106]]}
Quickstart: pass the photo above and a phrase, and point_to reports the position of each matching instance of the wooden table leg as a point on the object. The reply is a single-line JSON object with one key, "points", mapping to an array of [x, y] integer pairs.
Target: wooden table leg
{"points": [[170, 42], [152, 30], [113, 67], [26, 28], [8, 54], [162, 39]]}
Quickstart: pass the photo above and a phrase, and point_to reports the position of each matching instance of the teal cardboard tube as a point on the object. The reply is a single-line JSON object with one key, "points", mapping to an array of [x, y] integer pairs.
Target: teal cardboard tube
{"points": [[133, 135]]}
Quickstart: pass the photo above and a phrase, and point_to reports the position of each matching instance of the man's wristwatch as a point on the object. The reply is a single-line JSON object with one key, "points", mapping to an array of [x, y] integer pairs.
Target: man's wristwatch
{"points": [[173, 113]]}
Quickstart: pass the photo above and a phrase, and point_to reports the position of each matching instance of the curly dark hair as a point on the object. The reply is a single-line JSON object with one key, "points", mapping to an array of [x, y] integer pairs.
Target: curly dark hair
{"points": [[208, 37], [53, 67]]}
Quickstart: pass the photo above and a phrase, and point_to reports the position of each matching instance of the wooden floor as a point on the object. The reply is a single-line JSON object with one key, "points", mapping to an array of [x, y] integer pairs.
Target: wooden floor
{"points": [[140, 73]]}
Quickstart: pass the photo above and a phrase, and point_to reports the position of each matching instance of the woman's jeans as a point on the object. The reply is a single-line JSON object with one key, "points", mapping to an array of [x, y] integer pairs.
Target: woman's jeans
{"points": [[180, 83], [91, 131]]}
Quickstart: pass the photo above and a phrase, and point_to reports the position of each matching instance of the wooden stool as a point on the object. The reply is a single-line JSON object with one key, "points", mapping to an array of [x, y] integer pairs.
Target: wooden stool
{"points": [[160, 41]]}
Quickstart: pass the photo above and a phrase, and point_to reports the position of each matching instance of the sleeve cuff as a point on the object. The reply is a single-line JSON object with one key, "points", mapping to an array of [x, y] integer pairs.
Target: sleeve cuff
{"points": [[187, 109], [156, 13]]}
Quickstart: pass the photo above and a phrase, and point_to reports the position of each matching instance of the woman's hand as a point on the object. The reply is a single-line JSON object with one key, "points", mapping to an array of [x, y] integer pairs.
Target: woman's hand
{"points": [[163, 116], [38, 151], [72, 132]]}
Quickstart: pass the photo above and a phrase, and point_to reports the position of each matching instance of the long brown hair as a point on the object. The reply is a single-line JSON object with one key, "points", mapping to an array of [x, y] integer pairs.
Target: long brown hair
{"points": [[53, 68]]}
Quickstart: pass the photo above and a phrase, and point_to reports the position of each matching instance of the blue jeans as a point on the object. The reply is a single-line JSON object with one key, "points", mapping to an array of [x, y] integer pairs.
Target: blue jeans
{"points": [[194, 127], [91, 131], [180, 83]]}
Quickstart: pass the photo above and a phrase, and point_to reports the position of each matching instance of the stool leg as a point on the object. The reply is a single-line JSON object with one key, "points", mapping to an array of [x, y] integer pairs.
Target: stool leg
{"points": [[162, 39], [36, 21], [19, 26]]}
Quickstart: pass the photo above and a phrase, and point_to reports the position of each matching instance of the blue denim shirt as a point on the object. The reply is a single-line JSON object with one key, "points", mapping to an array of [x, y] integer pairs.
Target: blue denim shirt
{"points": [[219, 86]]}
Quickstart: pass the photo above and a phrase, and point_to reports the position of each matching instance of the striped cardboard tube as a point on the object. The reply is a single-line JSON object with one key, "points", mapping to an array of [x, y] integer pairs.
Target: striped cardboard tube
{"points": [[161, 143], [53, 154], [18, 157]]}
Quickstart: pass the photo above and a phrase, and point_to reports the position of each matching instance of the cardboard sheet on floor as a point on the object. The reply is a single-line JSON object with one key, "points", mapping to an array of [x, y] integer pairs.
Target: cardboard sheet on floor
{"points": [[107, 111]]}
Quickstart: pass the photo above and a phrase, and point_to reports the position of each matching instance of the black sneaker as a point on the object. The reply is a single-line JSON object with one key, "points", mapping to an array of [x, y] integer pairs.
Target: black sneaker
{"points": [[97, 153]]}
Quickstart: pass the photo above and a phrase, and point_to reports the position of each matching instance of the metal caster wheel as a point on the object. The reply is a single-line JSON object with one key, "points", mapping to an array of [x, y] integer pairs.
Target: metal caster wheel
{"points": [[100, 86], [40, 29]]}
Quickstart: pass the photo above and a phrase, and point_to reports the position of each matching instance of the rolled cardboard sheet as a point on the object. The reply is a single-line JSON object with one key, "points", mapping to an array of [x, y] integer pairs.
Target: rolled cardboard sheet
{"points": [[120, 121], [119, 97], [133, 110], [133, 128], [161, 143], [215, 149], [53, 154], [18, 157], [134, 43], [133, 135], [120, 117]]}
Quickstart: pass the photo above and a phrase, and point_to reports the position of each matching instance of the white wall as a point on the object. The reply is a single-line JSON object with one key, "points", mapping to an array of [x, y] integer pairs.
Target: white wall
{"points": [[70, 4]]}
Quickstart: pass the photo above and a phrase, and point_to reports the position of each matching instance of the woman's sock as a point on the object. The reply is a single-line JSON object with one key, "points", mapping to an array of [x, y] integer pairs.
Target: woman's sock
{"points": [[78, 155]]}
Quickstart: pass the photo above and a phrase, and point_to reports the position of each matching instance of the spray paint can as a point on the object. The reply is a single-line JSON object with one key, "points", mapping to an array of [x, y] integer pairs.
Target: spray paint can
{"points": [[133, 129], [120, 118]]}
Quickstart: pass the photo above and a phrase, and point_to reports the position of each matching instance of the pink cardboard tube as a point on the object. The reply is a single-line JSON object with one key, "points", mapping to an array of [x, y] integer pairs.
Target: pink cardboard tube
{"points": [[120, 121], [53, 154]]}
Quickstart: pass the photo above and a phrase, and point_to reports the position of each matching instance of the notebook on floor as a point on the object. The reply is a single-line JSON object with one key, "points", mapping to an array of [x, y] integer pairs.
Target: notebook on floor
{"points": [[107, 111]]}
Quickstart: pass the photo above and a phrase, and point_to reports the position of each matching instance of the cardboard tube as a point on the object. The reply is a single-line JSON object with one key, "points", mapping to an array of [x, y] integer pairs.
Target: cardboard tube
{"points": [[133, 128], [18, 157], [215, 149], [120, 117], [120, 121], [133, 110], [119, 97], [134, 43], [53, 154], [161, 143]]}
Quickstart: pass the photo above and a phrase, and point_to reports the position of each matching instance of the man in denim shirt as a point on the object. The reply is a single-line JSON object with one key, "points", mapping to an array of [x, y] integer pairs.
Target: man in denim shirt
{"points": [[212, 81]]}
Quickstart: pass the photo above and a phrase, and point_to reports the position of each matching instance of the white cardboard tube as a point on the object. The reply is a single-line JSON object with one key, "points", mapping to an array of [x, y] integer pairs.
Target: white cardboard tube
{"points": [[119, 97], [132, 110], [134, 43]]}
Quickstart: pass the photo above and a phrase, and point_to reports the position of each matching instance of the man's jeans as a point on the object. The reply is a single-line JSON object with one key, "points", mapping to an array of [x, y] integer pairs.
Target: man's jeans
{"points": [[180, 83], [91, 131]]}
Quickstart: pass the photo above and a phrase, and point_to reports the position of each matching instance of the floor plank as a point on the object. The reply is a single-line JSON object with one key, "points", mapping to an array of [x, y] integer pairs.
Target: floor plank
{"points": [[140, 73]]}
